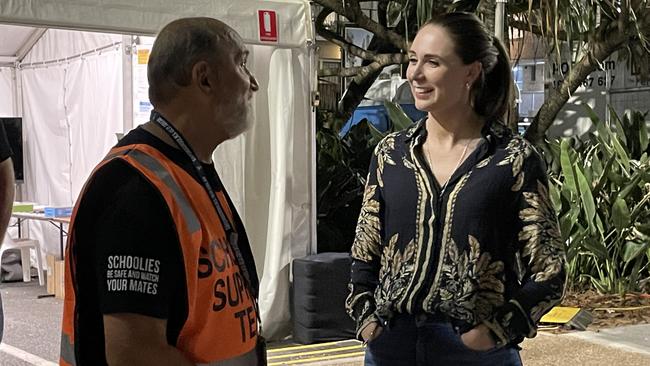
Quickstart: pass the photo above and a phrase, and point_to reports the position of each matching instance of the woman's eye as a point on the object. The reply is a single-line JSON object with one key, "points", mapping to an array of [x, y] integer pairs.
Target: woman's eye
{"points": [[413, 61]]}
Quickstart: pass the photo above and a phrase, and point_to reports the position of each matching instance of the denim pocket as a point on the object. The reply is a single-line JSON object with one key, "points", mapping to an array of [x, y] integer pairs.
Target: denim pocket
{"points": [[379, 336], [462, 345]]}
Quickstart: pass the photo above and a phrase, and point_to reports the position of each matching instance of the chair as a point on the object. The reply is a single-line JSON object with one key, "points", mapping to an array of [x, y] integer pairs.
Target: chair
{"points": [[25, 245]]}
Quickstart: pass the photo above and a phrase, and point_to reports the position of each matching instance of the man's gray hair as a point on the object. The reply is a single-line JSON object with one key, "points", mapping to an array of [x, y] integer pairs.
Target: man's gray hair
{"points": [[178, 47]]}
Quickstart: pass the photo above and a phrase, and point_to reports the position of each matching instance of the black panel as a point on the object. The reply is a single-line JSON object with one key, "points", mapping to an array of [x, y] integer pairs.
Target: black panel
{"points": [[14, 128], [318, 298]]}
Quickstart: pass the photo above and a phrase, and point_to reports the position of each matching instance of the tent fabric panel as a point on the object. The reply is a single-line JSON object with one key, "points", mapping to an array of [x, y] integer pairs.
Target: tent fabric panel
{"points": [[272, 162], [12, 38], [146, 17], [58, 44], [267, 170], [71, 113], [7, 88]]}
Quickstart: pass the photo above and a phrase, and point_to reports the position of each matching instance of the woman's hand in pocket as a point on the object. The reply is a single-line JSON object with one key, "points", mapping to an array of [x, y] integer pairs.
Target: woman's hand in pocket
{"points": [[478, 338], [371, 332]]}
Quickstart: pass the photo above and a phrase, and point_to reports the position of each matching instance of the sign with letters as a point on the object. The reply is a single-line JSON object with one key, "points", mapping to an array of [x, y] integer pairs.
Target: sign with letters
{"points": [[268, 25]]}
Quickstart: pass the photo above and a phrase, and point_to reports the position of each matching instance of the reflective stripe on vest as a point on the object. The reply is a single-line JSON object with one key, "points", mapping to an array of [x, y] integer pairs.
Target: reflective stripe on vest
{"points": [[152, 164], [246, 359], [221, 324], [67, 351]]}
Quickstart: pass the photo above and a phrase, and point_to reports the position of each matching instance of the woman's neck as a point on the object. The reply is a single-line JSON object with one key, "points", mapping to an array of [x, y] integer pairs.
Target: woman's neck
{"points": [[451, 129]]}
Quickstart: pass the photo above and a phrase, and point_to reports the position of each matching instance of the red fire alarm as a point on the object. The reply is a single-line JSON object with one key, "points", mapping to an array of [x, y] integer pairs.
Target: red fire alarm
{"points": [[268, 22]]}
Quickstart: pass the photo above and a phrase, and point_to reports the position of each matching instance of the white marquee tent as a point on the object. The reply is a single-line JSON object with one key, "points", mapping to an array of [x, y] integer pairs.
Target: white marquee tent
{"points": [[70, 69]]}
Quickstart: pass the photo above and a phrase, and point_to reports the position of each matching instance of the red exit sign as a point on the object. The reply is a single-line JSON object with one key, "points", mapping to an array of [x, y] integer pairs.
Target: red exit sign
{"points": [[268, 23]]}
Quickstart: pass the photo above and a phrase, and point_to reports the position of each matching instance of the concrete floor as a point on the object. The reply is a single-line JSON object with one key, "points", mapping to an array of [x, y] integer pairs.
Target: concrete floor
{"points": [[32, 336], [32, 325]]}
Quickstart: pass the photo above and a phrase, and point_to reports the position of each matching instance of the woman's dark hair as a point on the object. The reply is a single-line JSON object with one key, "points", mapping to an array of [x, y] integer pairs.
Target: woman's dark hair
{"points": [[490, 92]]}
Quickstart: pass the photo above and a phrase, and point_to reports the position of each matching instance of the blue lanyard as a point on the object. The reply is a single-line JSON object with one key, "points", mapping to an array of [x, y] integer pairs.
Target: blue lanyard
{"points": [[227, 225]]}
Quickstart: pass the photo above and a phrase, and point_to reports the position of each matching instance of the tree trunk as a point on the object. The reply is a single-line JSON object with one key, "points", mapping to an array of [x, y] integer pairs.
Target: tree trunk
{"points": [[487, 11], [599, 51]]}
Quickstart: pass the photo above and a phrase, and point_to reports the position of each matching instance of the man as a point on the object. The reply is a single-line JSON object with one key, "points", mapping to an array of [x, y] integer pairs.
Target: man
{"points": [[158, 267], [7, 191]]}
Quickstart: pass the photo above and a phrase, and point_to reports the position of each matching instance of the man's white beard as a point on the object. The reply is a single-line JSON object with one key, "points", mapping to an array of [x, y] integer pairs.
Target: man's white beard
{"points": [[239, 124]]}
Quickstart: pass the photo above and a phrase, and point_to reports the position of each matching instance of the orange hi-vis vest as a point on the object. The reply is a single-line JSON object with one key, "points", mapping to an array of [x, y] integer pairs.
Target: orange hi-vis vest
{"points": [[222, 321]]}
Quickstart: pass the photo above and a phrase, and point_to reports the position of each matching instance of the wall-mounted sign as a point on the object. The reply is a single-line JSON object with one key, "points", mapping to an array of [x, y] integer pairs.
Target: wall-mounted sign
{"points": [[268, 24]]}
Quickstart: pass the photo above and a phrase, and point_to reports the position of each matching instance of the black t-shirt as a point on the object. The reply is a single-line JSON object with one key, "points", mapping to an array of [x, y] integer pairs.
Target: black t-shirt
{"points": [[5, 150], [5, 153], [124, 222]]}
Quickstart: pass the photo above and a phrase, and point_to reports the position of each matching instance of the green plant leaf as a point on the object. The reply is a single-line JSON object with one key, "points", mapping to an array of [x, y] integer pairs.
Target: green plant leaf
{"points": [[400, 120], [629, 187], [633, 250], [603, 130], [620, 214], [644, 228], [566, 225], [623, 157], [375, 133], [643, 136], [588, 172], [556, 199], [595, 247], [596, 166], [615, 178], [600, 226], [620, 131], [567, 168], [587, 199], [607, 170]]}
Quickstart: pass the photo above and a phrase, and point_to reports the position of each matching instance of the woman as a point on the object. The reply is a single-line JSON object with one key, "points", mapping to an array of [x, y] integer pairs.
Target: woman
{"points": [[457, 253]]}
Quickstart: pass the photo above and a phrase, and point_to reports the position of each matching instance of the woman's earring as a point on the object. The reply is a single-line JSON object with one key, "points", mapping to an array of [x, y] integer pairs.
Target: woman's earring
{"points": [[467, 86]]}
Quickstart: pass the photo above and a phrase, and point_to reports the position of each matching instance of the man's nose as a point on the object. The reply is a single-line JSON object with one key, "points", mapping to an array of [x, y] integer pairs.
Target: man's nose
{"points": [[254, 85]]}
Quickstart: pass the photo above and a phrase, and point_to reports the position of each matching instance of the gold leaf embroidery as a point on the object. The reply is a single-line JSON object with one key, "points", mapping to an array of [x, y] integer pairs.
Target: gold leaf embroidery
{"points": [[473, 283], [484, 162], [543, 244], [383, 151], [517, 151], [366, 241], [397, 267]]}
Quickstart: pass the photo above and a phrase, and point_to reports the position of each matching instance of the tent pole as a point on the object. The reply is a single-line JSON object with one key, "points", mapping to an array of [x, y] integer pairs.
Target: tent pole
{"points": [[127, 83], [313, 71], [36, 35]]}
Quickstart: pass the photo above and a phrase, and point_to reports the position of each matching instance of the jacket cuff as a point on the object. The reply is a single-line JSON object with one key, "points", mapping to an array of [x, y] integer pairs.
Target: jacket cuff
{"points": [[510, 324], [363, 324]]}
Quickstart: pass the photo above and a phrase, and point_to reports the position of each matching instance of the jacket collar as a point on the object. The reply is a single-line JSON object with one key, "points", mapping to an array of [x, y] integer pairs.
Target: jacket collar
{"points": [[495, 132]]}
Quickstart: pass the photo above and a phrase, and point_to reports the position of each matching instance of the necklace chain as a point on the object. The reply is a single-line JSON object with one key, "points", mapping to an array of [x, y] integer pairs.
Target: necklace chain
{"points": [[460, 160]]}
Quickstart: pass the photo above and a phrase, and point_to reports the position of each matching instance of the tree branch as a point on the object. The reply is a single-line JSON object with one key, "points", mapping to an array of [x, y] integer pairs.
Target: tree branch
{"points": [[352, 11], [520, 6], [359, 72], [597, 53], [537, 30], [340, 71], [338, 40]]}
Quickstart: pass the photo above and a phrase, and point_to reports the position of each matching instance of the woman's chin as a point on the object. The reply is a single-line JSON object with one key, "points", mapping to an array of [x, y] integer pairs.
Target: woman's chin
{"points": [[424, 106]]}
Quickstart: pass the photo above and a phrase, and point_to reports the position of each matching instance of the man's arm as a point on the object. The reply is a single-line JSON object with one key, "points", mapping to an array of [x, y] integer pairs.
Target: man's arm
{"points": [[133, 339], [7, 191]]}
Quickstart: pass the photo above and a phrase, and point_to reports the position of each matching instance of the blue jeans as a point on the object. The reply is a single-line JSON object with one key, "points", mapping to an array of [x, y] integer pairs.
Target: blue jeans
{"points": [[407, 342]]}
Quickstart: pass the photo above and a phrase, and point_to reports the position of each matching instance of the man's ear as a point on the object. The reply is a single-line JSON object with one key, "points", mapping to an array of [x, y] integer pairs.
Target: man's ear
{"points": [[202, 78]]}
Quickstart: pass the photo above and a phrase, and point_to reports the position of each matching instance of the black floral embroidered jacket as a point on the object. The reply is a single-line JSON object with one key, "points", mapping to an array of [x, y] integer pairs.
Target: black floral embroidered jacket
{"points": [[485, 249]]}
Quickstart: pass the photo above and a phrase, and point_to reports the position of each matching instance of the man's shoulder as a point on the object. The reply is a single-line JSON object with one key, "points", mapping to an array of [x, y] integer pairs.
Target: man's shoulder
{"points": [[116, 183]]}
